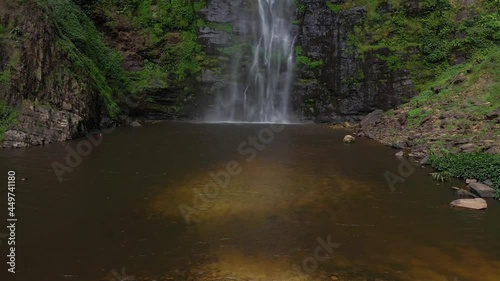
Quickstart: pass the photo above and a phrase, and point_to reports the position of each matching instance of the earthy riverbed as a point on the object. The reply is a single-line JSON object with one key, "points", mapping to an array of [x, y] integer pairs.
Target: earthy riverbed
{"points": [[304, 195]]}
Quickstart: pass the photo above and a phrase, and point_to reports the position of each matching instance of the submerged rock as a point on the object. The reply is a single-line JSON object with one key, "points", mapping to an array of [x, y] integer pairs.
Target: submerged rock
{"points": [[349, 139], [481, 190], [488, 182], [135, 124], [476, 203], [464, 193], [400, 154]]}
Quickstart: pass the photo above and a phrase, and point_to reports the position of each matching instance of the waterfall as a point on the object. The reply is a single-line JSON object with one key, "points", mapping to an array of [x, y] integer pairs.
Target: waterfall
{"points": [[261, 80]]}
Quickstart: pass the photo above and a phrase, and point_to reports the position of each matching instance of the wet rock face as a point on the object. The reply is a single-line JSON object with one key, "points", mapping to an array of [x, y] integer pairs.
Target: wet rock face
{"points": [[39, 125], [346, 87], [53, 103]]}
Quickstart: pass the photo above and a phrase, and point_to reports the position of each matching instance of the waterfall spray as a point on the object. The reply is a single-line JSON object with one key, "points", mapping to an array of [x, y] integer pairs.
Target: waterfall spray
{"points": [[261, 88]]}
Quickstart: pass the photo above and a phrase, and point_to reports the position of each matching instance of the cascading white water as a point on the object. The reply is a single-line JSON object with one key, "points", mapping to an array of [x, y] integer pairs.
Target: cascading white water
{"points": [[261, 83]]}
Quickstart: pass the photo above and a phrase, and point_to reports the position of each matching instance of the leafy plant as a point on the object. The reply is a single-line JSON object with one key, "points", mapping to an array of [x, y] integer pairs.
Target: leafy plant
{"points": [[305, 61], [441, 176], [480, 166], [335, 8], [8, 117], [86, 50]]}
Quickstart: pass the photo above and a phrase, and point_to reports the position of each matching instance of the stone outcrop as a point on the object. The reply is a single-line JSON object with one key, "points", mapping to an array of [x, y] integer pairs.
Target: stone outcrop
{"points": [[346, 87], [53, 102]]}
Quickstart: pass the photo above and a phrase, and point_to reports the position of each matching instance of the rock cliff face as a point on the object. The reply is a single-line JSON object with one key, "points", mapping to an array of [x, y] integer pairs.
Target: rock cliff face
{"points": [[56, 102], [346, 87], [53, 102]]}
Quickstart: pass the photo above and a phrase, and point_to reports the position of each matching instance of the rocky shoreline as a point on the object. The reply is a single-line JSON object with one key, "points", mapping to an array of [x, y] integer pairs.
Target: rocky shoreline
{"points": [[392, 129]]}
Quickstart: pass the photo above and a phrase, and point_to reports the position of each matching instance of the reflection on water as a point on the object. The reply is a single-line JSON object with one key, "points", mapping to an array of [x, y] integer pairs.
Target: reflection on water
{"points": [[120, 208]]}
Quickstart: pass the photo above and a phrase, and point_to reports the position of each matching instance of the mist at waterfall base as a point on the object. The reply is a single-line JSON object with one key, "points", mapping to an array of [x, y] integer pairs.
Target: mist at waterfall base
{"points": [[261, 77]]}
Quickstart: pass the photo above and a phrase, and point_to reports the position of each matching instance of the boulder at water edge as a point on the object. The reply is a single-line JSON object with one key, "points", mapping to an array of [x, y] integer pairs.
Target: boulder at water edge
{"points": [[135, 124], [349, 139], [481, 190], [476, 203]]}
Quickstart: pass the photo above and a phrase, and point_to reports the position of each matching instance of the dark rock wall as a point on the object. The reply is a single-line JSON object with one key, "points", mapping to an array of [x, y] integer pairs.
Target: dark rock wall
{"points": [[345, 88], [348, 85], [54, 103]]}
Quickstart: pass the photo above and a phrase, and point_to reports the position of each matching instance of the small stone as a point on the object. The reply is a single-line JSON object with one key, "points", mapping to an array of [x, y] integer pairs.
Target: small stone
{"points": [[135, 124], [464, 193], [470, 180], [493, 115], [488, 182], [400, 154], [468, 147], [400, 145], [459, 78], [476, 203], [334, 278], [493, 150], [481, 190], [417, 154], [424, 160], [455, 188], [349, 139]]}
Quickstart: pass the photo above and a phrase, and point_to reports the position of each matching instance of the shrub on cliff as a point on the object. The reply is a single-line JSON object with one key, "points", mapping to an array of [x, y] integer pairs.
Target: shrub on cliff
{"points": [[8, 116], [89, 54]]}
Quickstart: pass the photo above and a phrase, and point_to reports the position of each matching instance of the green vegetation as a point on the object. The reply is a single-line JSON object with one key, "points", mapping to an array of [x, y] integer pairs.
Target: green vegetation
{"points": [[151, 74], [302, 61], [10, 38], [2, 31], [172, 26], [8, 116], [441, 176], [163, 32], [416, 116], [334, 7], [87, 52], [480, 166], [393, 62], [472, 88], [4, 76], [432, 28], [301, 8], [225, 27]]}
